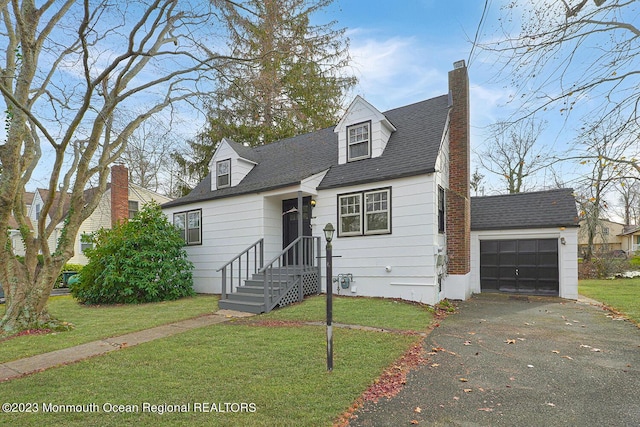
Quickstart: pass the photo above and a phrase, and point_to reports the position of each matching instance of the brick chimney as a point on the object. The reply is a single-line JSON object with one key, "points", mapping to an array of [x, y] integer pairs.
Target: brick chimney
{"points": [[458, 196], [119, 194]]}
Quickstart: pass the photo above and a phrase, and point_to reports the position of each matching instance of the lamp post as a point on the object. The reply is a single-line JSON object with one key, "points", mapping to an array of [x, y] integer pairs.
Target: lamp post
{"points": [[328, 234]]}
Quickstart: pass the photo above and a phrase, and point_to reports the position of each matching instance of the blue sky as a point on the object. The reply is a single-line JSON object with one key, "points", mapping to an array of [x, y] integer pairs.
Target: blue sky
{"points": [[403, 50]]}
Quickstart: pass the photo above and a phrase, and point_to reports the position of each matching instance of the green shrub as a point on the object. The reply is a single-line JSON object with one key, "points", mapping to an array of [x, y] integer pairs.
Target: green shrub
{"points": [[141, 260], [635, 262]]}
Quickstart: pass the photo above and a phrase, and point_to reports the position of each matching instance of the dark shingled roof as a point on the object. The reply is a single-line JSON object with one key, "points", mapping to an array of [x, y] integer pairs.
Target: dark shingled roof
{"points": [[553, 208], [412, 150]]}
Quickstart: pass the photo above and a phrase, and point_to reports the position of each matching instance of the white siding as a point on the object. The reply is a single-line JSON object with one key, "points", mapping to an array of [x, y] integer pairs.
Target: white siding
{"points": [[361, 111], [409, 252], [229, 226], [567, 254]]}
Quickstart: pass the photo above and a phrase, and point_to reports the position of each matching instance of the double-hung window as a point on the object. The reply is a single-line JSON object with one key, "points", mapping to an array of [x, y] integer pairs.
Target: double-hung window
{"points": [[189, 225], [133, 208], [223, 173], [364, 213], [359, 141]]}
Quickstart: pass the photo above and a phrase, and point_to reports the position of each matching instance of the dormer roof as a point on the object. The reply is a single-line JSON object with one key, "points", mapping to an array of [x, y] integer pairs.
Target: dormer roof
{"points": [[361, 110], [412, 149]]}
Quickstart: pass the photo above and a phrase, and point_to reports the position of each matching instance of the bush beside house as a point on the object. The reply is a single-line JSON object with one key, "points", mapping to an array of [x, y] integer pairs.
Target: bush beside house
{"points": [[137, 261]]}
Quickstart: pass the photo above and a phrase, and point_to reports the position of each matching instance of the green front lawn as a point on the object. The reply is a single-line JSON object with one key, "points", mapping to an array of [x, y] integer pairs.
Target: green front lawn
{"points": [[622, 295], [256, 371], [374, 312], [96, 322]]}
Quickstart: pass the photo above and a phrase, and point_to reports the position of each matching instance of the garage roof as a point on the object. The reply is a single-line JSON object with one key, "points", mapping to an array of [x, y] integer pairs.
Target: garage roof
{"points": [[541, 209]]}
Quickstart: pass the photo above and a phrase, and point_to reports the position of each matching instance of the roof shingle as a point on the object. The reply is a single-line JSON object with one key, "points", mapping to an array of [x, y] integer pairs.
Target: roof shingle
{"points": [[411, 150], [542, 209]]}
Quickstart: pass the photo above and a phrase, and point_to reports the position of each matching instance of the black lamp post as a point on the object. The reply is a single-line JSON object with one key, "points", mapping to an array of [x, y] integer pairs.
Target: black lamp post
{"points": [[328, 234]]}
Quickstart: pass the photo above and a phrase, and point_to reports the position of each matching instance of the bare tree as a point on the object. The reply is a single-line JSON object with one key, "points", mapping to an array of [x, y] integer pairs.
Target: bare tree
{"points": [[70, 67], [628, 191], [512, 153], [560, 55], [148, 154], [594, 188]]}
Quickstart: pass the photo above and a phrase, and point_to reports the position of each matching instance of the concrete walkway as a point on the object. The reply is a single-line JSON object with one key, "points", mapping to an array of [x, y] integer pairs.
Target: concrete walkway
{"points": [[40, 362], [520, 361]]}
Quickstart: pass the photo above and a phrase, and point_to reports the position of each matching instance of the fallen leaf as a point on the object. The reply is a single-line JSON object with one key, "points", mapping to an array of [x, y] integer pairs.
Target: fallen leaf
{"points": [[467, 343], [485, 409], [467, 390], [417, 410], [576, 321], [567, 357], [584, 346], [456, 398], [595, 349], [551, 404], [512, 378], [522, 339], [481, 389], [555, 351], [509, 341], [414, 422], [435, 365], [529, 366], [463, 380], [569, 324]]}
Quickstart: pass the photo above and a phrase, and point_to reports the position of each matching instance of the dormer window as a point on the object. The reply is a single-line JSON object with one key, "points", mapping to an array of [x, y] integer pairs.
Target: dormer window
{"points": [[223, 173], [359, 141]]}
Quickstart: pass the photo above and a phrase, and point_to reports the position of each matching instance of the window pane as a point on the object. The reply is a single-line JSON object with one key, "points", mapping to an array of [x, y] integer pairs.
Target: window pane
{"points": [[194, 235], [350, 214], [377, 213], [350, 224], [377, 221], [359, 150], [179, 223], [194, 219]]}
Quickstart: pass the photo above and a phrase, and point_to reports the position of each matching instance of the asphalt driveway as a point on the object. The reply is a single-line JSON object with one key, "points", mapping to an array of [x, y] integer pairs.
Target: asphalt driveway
{"points": [[518, 361]]}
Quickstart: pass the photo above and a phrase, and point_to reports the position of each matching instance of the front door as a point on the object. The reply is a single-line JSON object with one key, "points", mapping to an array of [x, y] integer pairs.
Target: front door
{"points": [[290, 222]]}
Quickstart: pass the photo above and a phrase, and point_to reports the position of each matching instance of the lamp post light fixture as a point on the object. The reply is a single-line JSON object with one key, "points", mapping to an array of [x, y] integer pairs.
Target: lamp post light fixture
{"points": [[328, 234]]}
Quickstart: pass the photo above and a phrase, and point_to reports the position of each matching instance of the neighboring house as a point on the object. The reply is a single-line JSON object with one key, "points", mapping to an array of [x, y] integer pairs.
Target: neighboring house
{"points": [[14, 233], [121, 200], [630, 238], [610, 237], [395, 186]]}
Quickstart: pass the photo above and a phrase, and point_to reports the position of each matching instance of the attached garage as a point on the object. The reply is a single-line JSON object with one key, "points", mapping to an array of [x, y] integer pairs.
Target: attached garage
{"points": [[525, 243]]}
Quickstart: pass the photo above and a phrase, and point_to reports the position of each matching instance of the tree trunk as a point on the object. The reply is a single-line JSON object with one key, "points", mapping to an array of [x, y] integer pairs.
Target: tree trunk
{"points": [[26, 297]]}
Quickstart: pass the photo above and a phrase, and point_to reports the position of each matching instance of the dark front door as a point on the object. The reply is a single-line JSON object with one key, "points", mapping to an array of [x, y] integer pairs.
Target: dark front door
{"points": [[290, 222], [520, 266]]}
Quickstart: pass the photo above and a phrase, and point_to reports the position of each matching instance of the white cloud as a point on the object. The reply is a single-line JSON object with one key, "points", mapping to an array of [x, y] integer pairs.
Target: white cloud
{"points": [[393, 71]]}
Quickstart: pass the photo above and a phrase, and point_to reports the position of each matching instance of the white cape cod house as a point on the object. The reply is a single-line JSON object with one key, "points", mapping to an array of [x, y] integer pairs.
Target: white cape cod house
{"points": [[395, 185]]}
